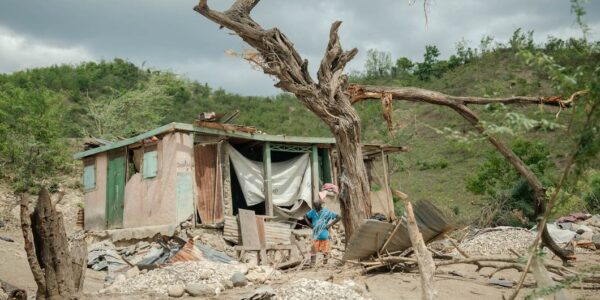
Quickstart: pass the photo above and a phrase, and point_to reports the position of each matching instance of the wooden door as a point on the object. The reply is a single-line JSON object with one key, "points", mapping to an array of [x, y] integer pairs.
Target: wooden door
{"points": [[115, 190], [209, 183]]}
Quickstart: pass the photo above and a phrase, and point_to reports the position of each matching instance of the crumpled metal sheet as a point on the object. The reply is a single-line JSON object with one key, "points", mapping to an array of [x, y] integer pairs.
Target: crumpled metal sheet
{"points": [[195, 250], [368, 239]]}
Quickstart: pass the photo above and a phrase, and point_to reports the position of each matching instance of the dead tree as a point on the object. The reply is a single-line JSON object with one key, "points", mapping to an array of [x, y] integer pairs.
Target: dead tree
{"points": [[459, 104], [276, 56], [57, 273]]}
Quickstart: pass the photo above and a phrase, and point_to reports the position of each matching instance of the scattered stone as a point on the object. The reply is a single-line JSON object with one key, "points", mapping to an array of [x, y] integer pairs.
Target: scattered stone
{"points": [[227, 283], [316, 289], [7, 239], [238, 279], [132, 272], [3, 295], [175, 291], [179, 273], [501, 282], [257, 277], [495, 242], [596, 240], [200, 289], [264, 292]]}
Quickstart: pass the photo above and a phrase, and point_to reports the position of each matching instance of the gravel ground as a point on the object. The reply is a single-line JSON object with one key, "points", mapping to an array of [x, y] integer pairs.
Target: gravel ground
{"points": [[316, 289], [498, 242]]}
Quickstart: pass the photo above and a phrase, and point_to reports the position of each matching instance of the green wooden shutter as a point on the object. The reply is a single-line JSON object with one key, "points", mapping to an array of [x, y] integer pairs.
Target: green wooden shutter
{"points": [[89, 177], [150, 164]]}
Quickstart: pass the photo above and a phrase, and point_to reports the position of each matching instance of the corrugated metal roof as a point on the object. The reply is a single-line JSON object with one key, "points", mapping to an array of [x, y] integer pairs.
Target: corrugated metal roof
{"points": [[372, 234], [214, 131]]}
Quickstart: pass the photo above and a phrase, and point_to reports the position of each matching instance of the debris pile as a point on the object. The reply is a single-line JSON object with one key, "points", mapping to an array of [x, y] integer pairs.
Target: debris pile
{"points": [[583, 230], [497, 241], [194, 277], [316, 289]]}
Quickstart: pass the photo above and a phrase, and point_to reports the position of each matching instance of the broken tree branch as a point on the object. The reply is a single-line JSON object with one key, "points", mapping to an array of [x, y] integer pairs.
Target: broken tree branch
{"points": [[424, 258], [459, 104]]}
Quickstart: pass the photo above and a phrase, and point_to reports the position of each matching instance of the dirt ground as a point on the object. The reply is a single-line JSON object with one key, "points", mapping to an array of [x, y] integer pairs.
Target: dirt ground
{"points": [[14, 269]]}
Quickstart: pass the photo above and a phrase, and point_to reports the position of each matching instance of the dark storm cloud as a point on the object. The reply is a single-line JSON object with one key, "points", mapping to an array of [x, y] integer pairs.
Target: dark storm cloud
{"points": [[169, 35]]}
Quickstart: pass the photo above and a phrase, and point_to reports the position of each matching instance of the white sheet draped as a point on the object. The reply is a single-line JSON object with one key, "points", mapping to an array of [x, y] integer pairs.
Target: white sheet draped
{"points": [[291, 182]]}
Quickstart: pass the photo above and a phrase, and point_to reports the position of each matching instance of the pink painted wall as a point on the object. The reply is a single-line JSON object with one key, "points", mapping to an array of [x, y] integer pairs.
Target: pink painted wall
{"points": [[152, 201], [95, 199]]}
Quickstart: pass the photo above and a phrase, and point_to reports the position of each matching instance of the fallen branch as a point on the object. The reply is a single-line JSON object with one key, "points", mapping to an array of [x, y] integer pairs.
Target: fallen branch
{"points": [[424, 259]]}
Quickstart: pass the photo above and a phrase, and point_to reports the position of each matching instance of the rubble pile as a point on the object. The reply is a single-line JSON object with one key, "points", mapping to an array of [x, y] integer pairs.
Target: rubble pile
{"points": [[181, 273], [316, 289], [497, 241]]}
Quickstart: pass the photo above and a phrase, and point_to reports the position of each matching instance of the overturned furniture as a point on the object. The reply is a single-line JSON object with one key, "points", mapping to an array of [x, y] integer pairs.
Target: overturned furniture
{"points": [[208, 171]]}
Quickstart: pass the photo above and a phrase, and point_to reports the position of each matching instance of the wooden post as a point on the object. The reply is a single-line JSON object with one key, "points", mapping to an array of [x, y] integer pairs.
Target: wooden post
{"points": [[314, 169], [267, 178]]}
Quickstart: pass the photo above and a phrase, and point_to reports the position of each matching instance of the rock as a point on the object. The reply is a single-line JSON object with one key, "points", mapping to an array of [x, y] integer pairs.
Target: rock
{"points": [[120, 279], [132, 272], [227, 283], [586, 236], [238, 279], [205, 274], [257, 277], [175, 291], [200, 289], [596, 240]]}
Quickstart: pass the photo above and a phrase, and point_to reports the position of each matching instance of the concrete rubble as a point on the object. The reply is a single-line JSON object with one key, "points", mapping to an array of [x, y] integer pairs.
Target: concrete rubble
{"points": [[494, 242]]}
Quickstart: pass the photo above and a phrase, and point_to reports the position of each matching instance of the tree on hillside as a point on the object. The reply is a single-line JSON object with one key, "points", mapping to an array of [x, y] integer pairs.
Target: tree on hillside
{"points": [[378, 64], [331, 100]]}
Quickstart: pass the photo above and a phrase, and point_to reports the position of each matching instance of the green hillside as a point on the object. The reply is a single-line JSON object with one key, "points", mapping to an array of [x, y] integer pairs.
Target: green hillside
{"points": [[44, 108]]}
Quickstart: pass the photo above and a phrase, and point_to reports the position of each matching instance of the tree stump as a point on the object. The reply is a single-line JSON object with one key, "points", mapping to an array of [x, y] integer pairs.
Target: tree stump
{"points": [[58, 273]]}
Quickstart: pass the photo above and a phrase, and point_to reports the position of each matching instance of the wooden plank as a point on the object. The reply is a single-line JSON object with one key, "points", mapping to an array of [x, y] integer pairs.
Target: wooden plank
{"points": [[267, 178], [260, 224], [227, 127], [248, 227]]}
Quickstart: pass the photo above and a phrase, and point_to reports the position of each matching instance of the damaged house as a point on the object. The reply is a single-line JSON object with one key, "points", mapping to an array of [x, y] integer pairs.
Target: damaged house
{"points": [[211, 170]]}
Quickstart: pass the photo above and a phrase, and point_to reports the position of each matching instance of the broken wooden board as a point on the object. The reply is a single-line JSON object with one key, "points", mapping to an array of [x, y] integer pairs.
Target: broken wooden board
{"points": [[226, 127], [370, 237], [249, 228]]}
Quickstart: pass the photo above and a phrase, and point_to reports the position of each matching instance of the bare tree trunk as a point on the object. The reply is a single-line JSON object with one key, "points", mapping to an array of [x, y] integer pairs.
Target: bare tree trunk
{"points": [[459, 104], [57, 275], [277, 57]]}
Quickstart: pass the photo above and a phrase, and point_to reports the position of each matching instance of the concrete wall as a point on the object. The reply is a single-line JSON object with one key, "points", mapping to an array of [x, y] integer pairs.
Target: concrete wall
{"points": [[153, 201], [95, 199]]}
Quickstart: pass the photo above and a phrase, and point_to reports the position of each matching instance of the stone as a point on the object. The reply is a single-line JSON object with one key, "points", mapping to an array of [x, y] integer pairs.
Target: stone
{"points": [[227, 283], [132, 272], [204, 274], [257, 277], [596, 240], [175, 291], [200, 289], [586, 236], [238, 279]]}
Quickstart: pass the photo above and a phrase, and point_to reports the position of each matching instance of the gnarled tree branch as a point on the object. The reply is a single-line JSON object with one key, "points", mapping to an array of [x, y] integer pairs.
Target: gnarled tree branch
{"points": [[276, 56], [459, 104]]}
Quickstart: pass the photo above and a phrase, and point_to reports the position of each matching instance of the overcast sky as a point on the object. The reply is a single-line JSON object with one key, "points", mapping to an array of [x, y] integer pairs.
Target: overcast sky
{"points": [[168, 34]]}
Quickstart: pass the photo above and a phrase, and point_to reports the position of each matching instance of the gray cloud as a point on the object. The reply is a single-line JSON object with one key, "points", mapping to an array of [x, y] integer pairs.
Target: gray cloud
{"points": [[170, 35]]}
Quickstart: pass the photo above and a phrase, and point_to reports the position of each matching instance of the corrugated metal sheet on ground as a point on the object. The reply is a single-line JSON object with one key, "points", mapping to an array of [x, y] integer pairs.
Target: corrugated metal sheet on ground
{"points": [[372, 234], [275, 233], [195, 251]]}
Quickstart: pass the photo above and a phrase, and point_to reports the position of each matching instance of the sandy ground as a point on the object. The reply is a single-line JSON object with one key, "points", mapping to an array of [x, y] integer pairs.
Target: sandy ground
{"points": [[14, 269]]}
